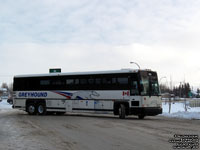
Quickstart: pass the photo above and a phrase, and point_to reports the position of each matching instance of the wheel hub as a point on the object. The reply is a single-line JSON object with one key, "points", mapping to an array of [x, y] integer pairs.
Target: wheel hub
{"points": [[40, 109], [31, 109]]}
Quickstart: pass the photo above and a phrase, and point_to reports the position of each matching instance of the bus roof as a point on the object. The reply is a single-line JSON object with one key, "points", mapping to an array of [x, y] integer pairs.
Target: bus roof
{"points": [[82, 73]]}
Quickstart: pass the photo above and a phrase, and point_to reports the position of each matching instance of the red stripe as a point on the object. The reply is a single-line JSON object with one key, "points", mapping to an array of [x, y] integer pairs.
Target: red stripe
{"points": [[68, 97]]}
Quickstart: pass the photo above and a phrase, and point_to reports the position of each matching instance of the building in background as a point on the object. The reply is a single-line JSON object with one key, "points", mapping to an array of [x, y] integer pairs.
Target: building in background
{"points": [[3, 93]]}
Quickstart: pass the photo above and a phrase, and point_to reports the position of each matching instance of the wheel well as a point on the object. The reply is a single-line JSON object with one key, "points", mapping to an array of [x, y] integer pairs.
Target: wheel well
{"points": [[35, 101], [117, 105]]}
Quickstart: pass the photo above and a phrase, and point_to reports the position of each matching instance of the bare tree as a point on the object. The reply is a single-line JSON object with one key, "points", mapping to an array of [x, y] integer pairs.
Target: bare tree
{"points": [[10, 89], [4, 85]]}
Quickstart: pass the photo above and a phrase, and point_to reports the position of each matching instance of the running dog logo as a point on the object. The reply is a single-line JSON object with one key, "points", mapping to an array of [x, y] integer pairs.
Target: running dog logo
{"points": [[85, 95], [80, 95]]}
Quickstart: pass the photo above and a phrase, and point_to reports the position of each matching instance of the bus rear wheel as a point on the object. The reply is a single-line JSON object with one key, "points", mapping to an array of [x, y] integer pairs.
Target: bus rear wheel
{"points": [[31, 109], [41, 110], [122, 111]]}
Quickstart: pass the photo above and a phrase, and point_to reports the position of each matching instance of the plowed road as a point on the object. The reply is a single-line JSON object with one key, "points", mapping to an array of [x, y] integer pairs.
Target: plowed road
{"points": [[19, 131]]}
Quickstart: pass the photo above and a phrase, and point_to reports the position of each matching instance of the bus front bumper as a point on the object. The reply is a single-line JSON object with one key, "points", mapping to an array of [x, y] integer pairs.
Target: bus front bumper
{"points": [[147, 111]]}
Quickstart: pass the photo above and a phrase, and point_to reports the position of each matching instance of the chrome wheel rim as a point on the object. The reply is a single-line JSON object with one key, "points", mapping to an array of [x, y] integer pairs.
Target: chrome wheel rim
{"points": [[40, 109], [31, 109]]}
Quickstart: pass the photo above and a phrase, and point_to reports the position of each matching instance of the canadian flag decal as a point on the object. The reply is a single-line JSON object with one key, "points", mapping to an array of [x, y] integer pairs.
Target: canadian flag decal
{"points": [[126, 93]]}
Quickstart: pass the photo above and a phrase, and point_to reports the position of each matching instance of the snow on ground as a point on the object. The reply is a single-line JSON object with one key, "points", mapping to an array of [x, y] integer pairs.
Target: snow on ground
{"points": [[178, 111], [5, 105]]}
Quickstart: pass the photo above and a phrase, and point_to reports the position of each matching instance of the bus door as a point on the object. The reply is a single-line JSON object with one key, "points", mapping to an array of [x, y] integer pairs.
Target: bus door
{"points": [[134, 92]]}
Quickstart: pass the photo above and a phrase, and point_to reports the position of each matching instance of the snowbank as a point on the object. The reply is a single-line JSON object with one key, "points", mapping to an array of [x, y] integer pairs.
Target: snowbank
{"points": [[185, 115], [5, 105], [178, 111]]}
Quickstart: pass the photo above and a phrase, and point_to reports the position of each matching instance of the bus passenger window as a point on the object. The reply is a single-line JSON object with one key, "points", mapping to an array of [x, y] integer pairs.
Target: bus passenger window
{"points": [[44, 82], [57, 82], [76, 81], [97, 81], [107, 80], [83, 81], [91, 81], [114, 80], [69, 81], [123, 80]]}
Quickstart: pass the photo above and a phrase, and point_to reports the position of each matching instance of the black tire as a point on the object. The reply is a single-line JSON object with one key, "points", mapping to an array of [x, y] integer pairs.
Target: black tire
{"points": [[41, 109], [31, 109], [141, 116], [122, 111]]}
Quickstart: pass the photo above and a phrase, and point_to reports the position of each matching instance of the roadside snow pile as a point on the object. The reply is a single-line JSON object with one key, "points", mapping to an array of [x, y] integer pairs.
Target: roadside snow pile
{"points": [[178, 111], [5, 105], [185, 115]]}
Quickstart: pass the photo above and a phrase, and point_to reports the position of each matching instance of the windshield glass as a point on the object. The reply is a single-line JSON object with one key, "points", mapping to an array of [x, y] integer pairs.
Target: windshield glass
{"points": [[149, 84]]}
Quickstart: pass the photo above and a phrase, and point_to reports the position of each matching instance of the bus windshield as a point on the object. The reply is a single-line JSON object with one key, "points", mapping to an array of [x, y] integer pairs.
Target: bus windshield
{"points": [[149, 84]]}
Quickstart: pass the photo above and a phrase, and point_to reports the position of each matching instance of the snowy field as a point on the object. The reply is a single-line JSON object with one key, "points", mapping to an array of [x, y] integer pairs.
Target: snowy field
{"points": [[177, 110]]}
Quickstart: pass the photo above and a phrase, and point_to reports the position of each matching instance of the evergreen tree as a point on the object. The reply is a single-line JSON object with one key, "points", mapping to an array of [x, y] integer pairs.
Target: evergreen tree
{"points": [[198, 93], [182, 90]]}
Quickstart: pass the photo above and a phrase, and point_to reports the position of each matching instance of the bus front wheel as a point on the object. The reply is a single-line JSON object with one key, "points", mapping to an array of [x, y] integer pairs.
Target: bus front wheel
{"points": [[122, 111]]}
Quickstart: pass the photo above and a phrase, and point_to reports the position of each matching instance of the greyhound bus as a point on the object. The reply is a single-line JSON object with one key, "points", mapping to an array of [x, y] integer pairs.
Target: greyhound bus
{"points": [[123, 92]]}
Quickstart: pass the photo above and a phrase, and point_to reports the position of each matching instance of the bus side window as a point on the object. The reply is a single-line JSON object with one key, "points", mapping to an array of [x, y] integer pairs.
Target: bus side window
{"points": [[98, 81], [91, 81], [76, 81], [70, 81], [83, 81], [123, 80], [114, 81], [44, 82], [107, 80], [134, 88]]}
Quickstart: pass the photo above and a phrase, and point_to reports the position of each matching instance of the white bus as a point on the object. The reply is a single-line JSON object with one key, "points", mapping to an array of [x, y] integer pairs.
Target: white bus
{"points": [[123, 92]]}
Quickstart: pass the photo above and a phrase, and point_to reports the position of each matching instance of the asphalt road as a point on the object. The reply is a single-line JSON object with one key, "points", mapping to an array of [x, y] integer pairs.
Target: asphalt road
{"points": [[19, 131]]}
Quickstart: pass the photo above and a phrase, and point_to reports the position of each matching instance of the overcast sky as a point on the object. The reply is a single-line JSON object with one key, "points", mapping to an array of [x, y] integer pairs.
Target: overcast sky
{"points": [[87, 35]]}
